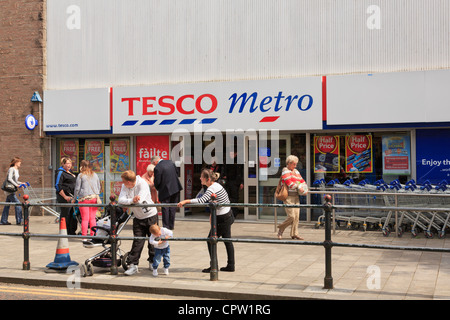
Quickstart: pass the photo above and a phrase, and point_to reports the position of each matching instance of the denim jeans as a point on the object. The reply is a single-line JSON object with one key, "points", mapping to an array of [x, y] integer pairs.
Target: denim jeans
{"points": [[12, 198], [165, 254]]}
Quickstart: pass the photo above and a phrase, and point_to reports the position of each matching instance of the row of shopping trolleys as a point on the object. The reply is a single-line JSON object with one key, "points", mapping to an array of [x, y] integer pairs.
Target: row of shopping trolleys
{"points": [[394, 194]]}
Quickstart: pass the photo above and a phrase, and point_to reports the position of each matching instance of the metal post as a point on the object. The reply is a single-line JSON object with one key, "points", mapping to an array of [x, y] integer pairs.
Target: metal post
{"points": [[26, 234], [214, 271], [328, 244], [113, 235]]}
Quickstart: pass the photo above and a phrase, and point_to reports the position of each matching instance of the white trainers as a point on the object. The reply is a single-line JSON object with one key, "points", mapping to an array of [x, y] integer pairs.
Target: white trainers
{"points": [[166, 271], [155, 272], [132, 269]]}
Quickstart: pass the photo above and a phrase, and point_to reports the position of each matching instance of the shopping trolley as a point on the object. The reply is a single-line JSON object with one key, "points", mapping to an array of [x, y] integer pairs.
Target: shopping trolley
{"points": [[425, 221], [40, 196]]}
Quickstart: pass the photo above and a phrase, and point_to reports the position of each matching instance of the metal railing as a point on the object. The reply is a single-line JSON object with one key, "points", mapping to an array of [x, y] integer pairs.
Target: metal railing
{"points": [[113, 237]]}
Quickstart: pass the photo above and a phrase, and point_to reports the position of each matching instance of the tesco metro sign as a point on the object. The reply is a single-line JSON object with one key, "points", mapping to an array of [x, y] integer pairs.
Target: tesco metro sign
{"points": [[287, 104]]}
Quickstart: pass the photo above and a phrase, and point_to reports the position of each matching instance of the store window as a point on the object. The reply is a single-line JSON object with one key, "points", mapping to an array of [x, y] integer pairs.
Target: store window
{"points": [[361, 156], [109, 158]]}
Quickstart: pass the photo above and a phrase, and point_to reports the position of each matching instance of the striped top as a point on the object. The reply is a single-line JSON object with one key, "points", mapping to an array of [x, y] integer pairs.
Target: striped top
{"points": [[292, 179], [222, 197]]}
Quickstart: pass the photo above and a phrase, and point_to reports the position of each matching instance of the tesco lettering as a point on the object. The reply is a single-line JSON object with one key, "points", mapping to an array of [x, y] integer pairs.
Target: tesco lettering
{"points": [[166, 105], [207, 103]]}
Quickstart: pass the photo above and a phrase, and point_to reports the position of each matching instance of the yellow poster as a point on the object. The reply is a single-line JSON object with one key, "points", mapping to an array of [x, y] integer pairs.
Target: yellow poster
{"points": [[119, 155], [69, 149], [94, 151]]}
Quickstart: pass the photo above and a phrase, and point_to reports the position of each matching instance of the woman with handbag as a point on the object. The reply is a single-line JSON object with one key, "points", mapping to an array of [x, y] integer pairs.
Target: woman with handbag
{"points": [[12, 182], [296, 186], [225, 217], [87, 190]]}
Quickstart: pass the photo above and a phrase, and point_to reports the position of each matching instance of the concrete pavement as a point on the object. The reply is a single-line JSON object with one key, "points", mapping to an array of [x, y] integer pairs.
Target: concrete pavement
{"points": [[263, 271]]}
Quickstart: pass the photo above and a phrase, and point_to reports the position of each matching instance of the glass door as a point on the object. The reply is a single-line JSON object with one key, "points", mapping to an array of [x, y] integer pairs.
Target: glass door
{"points": [[272, 154], [251, 175]]}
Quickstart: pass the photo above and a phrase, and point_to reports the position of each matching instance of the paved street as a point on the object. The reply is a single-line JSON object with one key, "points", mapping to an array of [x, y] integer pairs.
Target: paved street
{"points": [[263, 271]]}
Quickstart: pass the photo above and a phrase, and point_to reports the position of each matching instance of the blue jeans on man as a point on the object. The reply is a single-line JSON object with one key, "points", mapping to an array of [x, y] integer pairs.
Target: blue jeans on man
{"points": [[11, 198]]}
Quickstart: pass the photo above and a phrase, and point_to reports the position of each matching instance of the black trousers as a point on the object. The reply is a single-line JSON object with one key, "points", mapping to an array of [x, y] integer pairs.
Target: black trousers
{"points": [[233, 189], [67, 214], [168, 213], [141, 229], [224, 223]]}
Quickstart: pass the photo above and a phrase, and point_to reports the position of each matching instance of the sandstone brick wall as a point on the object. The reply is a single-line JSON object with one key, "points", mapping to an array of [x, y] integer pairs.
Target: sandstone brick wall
{"points": [[22, 72]]}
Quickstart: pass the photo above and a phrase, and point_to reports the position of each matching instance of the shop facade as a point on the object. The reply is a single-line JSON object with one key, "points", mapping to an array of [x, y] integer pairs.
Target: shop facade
{"points": [[359, 127], [126, 80]]}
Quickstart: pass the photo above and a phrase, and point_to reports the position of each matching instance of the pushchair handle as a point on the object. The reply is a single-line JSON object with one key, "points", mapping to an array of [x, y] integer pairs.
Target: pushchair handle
{"points": [[95, 228]]}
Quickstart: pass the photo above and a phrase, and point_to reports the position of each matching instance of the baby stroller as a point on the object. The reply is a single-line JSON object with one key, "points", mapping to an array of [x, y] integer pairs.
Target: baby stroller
{"points": [[103, 259]]}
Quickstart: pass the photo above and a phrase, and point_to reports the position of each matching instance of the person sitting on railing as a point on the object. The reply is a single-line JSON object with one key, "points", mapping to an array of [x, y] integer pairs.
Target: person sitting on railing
{"points": [[225, 217]]}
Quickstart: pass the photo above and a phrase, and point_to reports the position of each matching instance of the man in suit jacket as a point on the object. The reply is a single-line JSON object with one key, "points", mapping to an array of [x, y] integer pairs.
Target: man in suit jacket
{"points": [[169, 187]]}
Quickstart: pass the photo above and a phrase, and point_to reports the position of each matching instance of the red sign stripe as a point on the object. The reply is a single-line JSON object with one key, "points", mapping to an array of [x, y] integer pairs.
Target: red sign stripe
{"points": [[269, 119]]}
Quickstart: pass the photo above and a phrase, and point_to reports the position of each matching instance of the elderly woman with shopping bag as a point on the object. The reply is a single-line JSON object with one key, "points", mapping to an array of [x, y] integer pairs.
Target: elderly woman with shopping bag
{"points": [[295, 185]]}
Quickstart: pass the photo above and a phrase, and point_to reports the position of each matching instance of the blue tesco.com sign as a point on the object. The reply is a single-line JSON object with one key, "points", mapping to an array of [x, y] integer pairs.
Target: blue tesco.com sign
{"points": [[432, 156]]}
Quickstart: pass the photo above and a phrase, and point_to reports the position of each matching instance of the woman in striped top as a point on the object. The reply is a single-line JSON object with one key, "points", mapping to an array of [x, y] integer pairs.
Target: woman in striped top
{"points": [[296, 185], [225, 216]]}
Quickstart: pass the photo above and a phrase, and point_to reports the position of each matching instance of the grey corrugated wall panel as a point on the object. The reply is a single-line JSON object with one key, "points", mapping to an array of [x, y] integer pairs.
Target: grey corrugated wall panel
{"points": [[142, 42]]}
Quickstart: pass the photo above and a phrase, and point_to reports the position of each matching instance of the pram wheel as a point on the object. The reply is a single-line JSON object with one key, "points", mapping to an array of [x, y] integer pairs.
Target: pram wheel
{"points": [[87, 270], [124, 261]]}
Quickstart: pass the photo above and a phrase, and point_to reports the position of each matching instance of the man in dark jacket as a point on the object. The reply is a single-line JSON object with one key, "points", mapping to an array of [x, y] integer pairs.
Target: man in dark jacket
{"points": [[169, 187]]}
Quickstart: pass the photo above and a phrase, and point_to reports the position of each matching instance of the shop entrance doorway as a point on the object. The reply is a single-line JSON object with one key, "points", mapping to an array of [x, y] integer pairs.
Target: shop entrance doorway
{"points": [[272, 159]]}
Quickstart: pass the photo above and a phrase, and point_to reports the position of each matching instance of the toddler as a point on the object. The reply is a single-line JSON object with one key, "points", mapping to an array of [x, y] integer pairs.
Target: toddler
{"points": [[162, 248]]}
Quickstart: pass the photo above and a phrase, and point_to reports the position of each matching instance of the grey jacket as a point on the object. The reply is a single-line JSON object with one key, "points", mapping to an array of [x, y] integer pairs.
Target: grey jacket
{"points": [[86, 186]]}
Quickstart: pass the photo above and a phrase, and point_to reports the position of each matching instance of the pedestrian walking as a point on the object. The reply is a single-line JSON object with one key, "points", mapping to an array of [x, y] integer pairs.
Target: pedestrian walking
{"points": [[169, 187], [12, 178], [136, 191], [225, 217], [65, 186], [87, 190], [296, 185]]}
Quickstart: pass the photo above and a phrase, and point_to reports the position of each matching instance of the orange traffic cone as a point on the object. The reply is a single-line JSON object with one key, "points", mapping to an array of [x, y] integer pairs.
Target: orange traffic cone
{"points": [[62, 257]]}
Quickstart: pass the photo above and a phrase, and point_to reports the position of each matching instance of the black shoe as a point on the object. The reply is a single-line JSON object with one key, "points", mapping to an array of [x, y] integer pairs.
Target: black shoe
{"points": [[6, 224], [207, 270], [227, 268]]}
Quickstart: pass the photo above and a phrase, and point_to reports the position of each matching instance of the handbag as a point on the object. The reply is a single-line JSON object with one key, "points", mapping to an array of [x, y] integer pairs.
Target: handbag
{"points": [[8, 186], [281, 193], [99, 201]]}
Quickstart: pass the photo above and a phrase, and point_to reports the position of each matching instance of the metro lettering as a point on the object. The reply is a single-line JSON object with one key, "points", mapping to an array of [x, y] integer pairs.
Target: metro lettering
{"points": [[304, 103]]}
